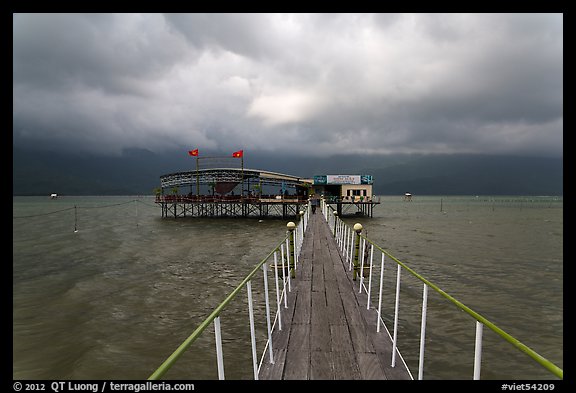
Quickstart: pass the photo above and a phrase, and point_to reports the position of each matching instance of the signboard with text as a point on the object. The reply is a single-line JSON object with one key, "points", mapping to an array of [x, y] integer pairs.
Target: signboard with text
{"points": [[342, 179]]}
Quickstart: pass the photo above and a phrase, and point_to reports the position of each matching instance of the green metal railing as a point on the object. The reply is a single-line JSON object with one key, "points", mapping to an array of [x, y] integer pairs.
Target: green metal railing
{"points": [[289, 247], [350, 239]]}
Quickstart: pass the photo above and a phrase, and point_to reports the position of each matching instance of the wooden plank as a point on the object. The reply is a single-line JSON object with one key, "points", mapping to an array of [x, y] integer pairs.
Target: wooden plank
{"points": [[329, 271], [321, 365], [335, 309], [320, 338], [303, 303], [370, 367], [340, 339], [319, 329], [280, 337], [304, 269], [288, 312], [345, 365], [399, 372], [298, 354], [319, 313], [351, 308], [360, 339], [334, 253], [318, 277], [273, 371]]}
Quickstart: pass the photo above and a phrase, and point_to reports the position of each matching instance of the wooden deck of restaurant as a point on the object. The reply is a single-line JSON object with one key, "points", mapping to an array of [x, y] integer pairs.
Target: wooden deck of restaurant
{"points": [[327, 332]]}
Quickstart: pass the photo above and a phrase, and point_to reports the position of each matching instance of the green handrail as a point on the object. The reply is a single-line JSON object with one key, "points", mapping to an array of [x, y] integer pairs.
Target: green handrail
{"points": [[169, 362], [557, 371]]}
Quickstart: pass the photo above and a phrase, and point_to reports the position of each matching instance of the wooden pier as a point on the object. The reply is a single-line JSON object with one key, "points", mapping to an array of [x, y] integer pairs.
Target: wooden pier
{"points": [[207, 206], [327, 332]]}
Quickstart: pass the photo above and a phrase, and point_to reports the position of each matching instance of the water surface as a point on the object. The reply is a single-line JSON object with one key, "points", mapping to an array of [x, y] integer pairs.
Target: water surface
{"points": [[107, 290]]}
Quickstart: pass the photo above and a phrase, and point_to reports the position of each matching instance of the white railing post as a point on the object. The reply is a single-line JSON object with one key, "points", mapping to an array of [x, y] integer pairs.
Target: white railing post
{"points": [[295, 256], [423, 332], [350, 240], [284, 276], [363, 242], [288, 263], [277, 290], [268, 313], [345, 241], [370, 277], [252, 332], [342, 231], [478, 350], [380, 293], [219, 354], [396, 309], [351, 249]]}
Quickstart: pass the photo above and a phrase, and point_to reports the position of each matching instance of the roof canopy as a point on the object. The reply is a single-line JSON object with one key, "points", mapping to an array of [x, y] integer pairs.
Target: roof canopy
{"points": [[221, 175]]}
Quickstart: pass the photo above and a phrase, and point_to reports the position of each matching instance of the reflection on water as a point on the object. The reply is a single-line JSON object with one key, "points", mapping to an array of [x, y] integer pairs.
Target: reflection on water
{"points": [[114, 299]]}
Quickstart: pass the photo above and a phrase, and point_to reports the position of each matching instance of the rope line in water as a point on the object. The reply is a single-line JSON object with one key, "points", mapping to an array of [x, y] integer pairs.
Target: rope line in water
{"points": [[84, 207], [43, 214]]}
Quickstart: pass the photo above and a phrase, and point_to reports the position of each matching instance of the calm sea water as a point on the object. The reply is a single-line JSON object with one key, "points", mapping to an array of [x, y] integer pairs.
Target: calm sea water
{"points": [[109, 289]]}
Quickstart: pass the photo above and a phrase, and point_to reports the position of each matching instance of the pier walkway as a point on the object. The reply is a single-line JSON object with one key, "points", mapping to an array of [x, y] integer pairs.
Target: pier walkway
{"points": [[327, 332]]}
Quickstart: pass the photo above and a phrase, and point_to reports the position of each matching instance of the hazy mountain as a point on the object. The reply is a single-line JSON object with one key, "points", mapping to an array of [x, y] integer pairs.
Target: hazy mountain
{"points": [[138, 172]]}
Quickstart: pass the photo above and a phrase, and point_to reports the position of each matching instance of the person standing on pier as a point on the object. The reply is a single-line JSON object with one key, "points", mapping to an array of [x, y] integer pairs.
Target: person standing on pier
{"points": [[315, 203]]}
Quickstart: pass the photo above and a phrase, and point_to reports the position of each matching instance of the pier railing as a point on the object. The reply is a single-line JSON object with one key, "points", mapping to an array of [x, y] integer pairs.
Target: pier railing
{"points": [[177, 198], [285, 257], [362, 255]]}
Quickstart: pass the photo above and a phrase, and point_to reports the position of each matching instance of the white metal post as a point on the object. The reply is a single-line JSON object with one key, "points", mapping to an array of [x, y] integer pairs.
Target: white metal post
{"points": [[219, 354], [284, 276], [343, 245], [423, 332], [277, 290], [352, 241], [380, 293], [370, 277], [346, 241], [288, 263], [363, 242], [295, 256], [344, 238], [396, 309], [252, 332], [268, 313], [478, 350]]}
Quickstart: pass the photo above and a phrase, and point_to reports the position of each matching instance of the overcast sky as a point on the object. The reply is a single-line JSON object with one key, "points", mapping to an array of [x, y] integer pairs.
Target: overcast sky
{"points": [[312, 83]]}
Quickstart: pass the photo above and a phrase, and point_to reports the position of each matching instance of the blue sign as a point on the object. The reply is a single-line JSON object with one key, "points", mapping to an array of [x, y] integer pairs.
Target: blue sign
{"points": [[366, 179], [320, 179]]}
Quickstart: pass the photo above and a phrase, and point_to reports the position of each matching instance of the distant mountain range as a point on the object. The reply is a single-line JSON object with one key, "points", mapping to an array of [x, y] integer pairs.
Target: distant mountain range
{"points": [[137, 172]]}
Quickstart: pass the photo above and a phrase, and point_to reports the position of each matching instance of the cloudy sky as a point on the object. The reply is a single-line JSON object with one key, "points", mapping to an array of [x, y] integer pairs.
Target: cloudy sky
{"points": [[313, 83]]}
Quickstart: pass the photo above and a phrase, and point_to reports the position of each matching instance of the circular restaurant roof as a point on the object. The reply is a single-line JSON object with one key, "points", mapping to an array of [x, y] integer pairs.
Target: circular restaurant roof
{"points": [[218, 175]]}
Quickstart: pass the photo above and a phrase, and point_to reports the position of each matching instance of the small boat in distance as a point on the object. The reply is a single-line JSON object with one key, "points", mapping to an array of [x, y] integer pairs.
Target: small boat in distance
{"points": [[407, 196], [53, 196]]}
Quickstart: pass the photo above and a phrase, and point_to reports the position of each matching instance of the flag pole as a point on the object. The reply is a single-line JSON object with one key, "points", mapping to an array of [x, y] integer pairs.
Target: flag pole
{"points": [[242, 163], [197, 179]]}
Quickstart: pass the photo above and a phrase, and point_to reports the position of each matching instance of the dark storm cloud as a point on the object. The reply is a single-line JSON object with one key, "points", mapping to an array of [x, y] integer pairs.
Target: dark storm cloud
{"points": [[377, 83]]}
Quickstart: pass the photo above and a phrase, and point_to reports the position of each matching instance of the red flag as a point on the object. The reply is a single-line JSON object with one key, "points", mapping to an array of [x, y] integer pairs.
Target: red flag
{"points": [[193, 152], [238, 154]]}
